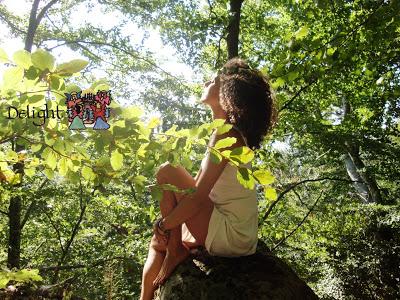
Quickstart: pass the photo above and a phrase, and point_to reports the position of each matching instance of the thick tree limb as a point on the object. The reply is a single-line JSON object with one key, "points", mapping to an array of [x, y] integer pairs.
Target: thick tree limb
{"points": [[232, 38], [44, 10]]}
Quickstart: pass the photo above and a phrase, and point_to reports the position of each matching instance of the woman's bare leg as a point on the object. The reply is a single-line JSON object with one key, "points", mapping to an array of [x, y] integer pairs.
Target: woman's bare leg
{"points": [[151, 268], [197, 225], [157, 249], [176, 252]]}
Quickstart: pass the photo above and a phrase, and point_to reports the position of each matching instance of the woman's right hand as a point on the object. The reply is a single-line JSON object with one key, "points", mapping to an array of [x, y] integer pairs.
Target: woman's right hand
{"points": [[162, 238]]}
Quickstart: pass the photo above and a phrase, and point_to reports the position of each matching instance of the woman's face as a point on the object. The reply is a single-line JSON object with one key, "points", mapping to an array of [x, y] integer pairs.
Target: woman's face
{"points": [[210, 94]]}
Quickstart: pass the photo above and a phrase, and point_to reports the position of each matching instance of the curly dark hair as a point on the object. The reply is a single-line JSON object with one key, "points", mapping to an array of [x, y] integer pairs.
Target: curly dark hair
{"points": [[249, 101]]}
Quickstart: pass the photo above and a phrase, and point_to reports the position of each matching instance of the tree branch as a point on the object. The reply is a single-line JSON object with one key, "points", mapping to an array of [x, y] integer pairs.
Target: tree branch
{"points": [[44, 10], [11, 24], [78, 266], [56, 230], [32, 26], [298, 225], [286, 105], [32, 205], [291, 186], [148, 61]]}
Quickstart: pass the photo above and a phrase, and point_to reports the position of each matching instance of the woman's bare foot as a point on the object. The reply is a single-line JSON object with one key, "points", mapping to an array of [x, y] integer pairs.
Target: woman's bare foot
{"points": [[170, 262]]}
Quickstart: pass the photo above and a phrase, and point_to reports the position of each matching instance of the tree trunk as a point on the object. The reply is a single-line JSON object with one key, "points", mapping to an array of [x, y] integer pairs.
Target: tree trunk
{"points": [[368, 191], [233, 28], [15, 207]]}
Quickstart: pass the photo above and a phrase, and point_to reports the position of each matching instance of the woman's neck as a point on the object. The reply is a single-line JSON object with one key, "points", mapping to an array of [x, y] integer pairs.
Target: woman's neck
{"points": [[219, 114]]}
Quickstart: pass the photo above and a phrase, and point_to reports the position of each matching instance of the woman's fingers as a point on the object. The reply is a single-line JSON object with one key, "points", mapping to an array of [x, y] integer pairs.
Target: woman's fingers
{"points": [[160, 238]]}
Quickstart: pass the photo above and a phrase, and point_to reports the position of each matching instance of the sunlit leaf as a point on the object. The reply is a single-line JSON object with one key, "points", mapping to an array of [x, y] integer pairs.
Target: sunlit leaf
{"points": [[301, 33], [3, 56], [244, 177], [43, 60], [116, 160], [72, 66], [225, 142], [88, 173], [22, 58], [264, 176], [270, 193]]}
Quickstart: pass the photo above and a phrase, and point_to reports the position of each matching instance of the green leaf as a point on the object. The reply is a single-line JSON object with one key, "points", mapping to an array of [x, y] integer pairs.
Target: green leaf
{"points": [[72, 66], [23, 59], [56, 82], [270, 193], [278, 83], [380, 80], [43, 60], [12, 76], [293, 75], [132, 112], [116, 160], [301, 33], [242, 154], [26, 275], [139, 179], [156, 193], [11, 156], [264, 177], [50, 158], [88, 173], [225, 142], [216, 123], [49, 173], [63, 166], [36, 147], [244, 178], [154, 122], [331, 51], [29, 172], [215, 157], [224, 128], [169, 187], [3, 56], [3, 281], [72, 88]]}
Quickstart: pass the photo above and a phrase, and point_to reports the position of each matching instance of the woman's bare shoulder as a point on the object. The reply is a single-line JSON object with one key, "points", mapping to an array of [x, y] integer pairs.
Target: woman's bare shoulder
{"points": [[231, 133]]}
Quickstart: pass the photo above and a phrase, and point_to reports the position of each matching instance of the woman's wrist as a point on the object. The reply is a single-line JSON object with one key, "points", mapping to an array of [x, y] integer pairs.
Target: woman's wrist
{"points": [[161, 226]]}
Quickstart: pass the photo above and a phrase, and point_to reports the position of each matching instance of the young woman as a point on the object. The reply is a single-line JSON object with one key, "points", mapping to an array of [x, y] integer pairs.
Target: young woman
{"points": [[221, 214]]}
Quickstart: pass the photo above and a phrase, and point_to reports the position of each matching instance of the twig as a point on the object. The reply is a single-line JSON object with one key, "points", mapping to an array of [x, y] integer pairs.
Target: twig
{"points": [[291, 186], [298, 225]]}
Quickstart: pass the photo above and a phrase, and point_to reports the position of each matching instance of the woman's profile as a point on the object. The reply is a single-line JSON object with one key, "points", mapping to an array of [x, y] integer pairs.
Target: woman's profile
{"points": [[221, 214]]}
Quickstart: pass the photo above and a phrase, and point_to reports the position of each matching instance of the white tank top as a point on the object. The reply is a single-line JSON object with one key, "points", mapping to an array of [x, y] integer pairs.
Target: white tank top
{"points": [[227, 190]]}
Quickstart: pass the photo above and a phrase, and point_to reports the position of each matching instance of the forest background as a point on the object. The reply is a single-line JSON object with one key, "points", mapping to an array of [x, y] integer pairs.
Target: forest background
{"points": [[76, 208]]}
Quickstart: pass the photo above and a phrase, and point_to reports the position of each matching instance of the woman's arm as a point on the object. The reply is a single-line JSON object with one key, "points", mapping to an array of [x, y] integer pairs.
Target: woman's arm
{"points": [[207, 178], [197, 175]]}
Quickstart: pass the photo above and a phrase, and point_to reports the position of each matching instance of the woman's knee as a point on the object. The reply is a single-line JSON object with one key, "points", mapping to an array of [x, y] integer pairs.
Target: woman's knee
{"points": [[162, 170]]}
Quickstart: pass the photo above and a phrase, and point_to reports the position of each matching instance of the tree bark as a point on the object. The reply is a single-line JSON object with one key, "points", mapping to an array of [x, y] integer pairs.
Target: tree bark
{"points": [[15, 207], [369, 190], [232, 38]]}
